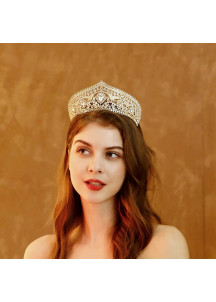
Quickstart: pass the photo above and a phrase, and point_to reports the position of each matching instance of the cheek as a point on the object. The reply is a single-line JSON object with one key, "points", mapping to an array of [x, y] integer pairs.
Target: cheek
{"points": [[75, 167], [120, 173], [75, 162]]}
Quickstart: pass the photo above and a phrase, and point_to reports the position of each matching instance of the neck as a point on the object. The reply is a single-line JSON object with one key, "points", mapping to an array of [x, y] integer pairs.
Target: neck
{"points": [[98, 222]]}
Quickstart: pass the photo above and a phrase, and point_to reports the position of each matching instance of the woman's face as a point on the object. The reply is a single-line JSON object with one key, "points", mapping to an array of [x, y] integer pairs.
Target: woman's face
{"points": [[97, 154]]}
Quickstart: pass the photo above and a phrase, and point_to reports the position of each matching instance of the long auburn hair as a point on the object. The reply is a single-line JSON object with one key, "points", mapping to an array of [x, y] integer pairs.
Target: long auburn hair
{"points": [[135, 216]]}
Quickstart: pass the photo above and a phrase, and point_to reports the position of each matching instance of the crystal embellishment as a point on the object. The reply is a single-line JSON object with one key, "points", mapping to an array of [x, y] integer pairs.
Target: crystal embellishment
{"points": [[102, 96]]}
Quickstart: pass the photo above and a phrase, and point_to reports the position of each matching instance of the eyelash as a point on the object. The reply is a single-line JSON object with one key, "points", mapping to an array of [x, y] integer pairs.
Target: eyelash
{"points": [[84, 149]]}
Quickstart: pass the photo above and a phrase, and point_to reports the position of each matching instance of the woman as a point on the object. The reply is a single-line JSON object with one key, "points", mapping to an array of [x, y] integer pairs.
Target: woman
{"points": [[103, 208]]}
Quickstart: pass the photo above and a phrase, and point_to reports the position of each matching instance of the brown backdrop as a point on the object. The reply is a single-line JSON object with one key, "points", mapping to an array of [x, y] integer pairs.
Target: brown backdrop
{"points": [[175, 84]]}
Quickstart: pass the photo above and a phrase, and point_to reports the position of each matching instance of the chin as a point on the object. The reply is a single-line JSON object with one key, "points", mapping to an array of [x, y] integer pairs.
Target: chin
{"points": [[95, 199]]}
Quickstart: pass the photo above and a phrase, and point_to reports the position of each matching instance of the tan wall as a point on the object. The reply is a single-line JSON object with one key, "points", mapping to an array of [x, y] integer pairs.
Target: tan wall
{"points": [[176, 86]]}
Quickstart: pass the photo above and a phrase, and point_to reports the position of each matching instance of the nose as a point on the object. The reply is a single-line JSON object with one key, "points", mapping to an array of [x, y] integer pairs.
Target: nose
{"points": [[96, 165]]}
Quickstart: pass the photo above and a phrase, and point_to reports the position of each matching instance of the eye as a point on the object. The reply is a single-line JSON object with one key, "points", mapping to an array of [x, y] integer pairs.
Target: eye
{"points": [[113, 154], [82, 151]]}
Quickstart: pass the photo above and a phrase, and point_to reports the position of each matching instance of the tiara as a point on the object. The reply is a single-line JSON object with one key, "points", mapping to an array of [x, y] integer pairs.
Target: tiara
{"points": [[102, 96]]}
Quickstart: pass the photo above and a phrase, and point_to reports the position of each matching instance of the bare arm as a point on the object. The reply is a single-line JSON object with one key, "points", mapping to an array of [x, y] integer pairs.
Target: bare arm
{"points": [[177, 247], [167, 243], [40, 248]]}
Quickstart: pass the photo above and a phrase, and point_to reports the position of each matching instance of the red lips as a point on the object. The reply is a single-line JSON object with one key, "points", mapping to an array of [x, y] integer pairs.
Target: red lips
{"points": [[94, 187], [95, 180]]}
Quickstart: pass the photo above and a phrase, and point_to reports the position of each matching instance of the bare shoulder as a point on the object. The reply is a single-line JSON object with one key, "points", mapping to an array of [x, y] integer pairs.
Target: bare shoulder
{"points": [[167, 243], [41, 248]]}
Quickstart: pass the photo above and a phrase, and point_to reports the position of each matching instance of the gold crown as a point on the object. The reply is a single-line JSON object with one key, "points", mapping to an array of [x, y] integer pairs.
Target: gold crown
{"points": [[102, 96]]}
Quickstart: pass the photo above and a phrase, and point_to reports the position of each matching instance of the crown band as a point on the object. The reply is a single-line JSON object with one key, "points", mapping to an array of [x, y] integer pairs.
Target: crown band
{"points": [[102, 96]]}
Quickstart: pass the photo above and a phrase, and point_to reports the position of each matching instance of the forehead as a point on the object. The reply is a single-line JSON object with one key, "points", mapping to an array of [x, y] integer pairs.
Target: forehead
{"points": [[98, 134]]}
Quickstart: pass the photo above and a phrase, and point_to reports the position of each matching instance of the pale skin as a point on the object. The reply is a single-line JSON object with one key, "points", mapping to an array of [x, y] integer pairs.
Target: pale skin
{"points": [[97, 153]]}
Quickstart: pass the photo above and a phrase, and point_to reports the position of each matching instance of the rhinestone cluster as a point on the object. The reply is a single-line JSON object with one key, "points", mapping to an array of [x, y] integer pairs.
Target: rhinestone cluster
{"points": [[102, 96]]}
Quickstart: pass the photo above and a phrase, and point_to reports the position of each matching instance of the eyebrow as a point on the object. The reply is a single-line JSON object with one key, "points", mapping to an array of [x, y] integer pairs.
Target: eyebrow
{"points": [[107, 148]]}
